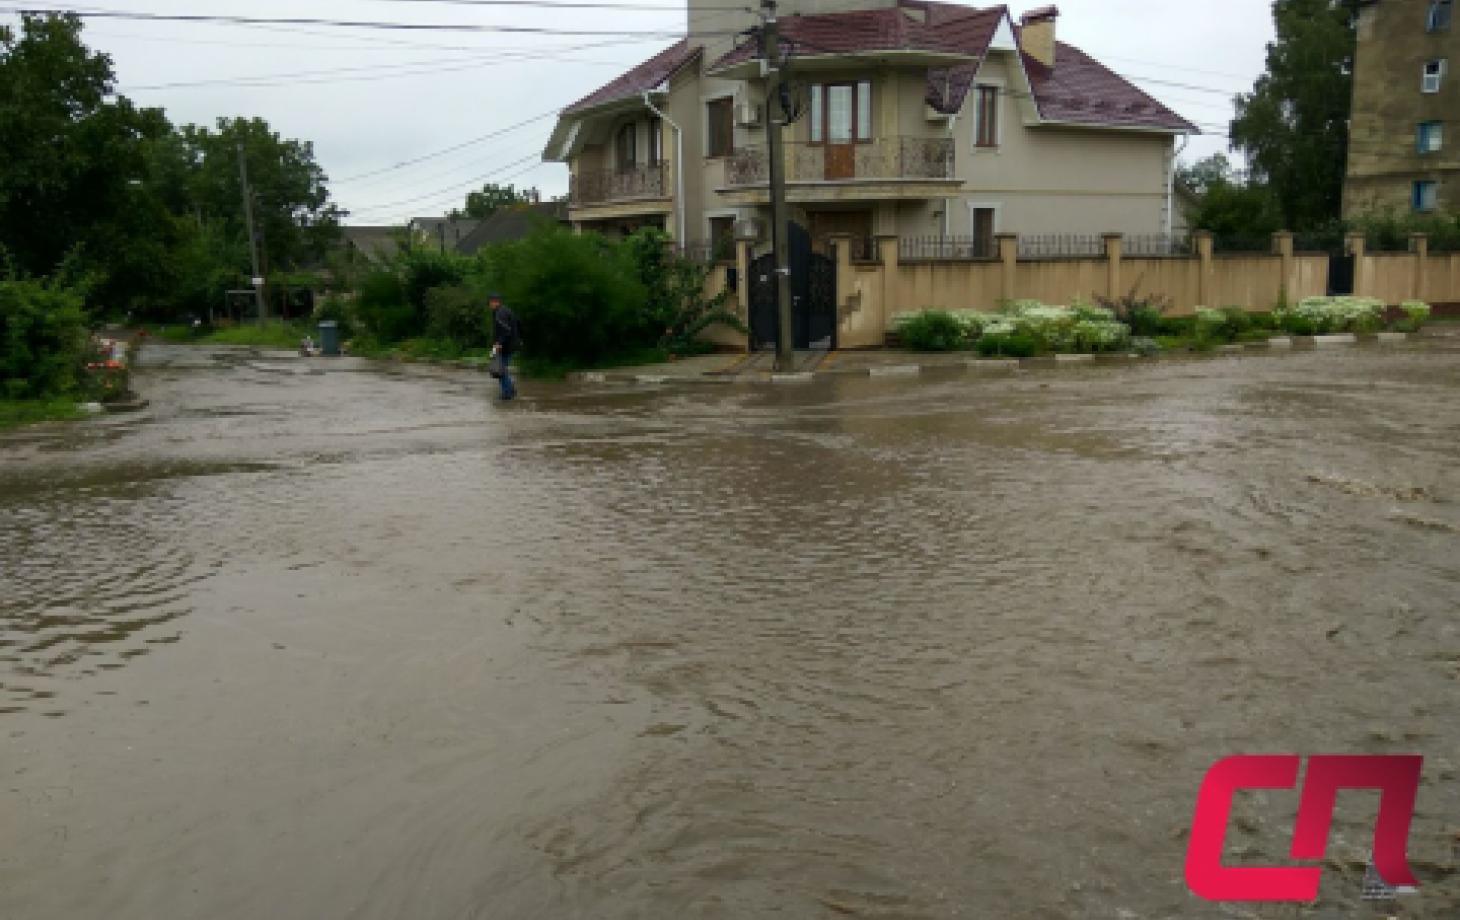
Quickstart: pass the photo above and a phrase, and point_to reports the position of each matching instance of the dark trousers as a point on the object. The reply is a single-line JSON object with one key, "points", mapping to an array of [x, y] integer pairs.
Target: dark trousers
{"points": [[509, 389]]}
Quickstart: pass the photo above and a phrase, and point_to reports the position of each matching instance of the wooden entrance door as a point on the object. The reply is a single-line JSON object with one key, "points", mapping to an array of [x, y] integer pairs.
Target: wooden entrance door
{"points": [[841, 131]]}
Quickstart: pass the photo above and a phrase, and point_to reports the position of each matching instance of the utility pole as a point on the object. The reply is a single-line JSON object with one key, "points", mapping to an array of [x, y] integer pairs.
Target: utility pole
{"points": [[253, 245], [780, 230]]}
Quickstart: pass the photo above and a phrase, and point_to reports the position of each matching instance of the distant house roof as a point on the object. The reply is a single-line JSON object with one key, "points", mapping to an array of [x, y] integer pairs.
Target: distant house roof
{"points": [[443, 229], [374, 243], [512, 223], [643, 78], [1077, 89]]}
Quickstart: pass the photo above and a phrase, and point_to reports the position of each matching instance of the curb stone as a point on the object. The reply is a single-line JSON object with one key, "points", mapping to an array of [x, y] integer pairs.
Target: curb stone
{"points": [[1280, 341], [1393, 336], [798, 377], [1337, 338], [992, 364], [1070, 359], [895, 370]]}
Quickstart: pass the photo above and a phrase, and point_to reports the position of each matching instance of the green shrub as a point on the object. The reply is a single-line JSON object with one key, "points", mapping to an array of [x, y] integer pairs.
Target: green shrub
{"points": [[459, 315], [43, 343], [933, 330], [382, 306], [1320, 315], [1416, 313], [341, 312], [1141, 313], [578, 297], [1008, 345], [1176, 326]]}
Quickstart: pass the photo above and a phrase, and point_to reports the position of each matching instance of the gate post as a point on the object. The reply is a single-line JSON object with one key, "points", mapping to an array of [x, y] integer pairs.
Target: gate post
{"points": [[844, 283], [1113, 246], [1282, 246], [1008, 244], [1419, 244], [742, 273], [1203, 240], [1354, 243], [891, 276]]}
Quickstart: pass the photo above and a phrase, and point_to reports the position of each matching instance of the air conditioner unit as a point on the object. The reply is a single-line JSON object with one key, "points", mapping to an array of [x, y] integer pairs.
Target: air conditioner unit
{"points": [[747, 115], [747, 229]]}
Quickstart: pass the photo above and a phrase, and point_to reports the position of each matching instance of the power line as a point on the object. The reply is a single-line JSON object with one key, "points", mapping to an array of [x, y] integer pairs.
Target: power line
{"points": [[453, 190], [571, 5], [452, 149], [348, 23]]}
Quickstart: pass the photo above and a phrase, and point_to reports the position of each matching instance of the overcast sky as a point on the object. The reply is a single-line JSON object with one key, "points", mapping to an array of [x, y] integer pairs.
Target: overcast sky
{"points": [[372, 99]]}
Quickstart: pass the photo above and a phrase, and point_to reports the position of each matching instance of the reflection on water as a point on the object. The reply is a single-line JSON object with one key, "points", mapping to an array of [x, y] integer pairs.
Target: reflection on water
{"points": [[367, 644]]}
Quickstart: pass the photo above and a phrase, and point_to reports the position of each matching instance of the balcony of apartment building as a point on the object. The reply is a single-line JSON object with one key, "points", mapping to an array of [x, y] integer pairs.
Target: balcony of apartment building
{"points": [[629, 180], [838, 170]]}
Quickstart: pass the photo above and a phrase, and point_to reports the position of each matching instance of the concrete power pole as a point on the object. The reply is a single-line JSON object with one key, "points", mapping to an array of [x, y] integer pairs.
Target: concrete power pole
{"points": [[780, 230], [253, 243]]}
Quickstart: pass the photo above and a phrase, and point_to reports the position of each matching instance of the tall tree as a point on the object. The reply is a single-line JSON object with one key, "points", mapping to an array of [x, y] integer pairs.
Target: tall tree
{"points": [[1293, 126], [482, 204]]}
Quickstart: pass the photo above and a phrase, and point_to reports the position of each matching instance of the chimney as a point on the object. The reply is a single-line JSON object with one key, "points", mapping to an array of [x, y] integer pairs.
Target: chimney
{"points": [[1036, 33]]}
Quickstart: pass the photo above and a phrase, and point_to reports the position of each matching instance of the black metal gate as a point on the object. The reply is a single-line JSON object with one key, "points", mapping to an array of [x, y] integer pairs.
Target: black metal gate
{"points": [[1340, 273], [813, 297]]}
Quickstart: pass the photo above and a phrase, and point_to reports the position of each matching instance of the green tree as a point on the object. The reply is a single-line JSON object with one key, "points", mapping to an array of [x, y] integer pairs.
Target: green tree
{"points": [[73, 174], [482, 204], [1228, 203], [1293, 126]]}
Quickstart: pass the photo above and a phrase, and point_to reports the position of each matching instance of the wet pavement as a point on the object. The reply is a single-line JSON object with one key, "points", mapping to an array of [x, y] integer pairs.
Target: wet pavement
{"points": [[364, 643]]}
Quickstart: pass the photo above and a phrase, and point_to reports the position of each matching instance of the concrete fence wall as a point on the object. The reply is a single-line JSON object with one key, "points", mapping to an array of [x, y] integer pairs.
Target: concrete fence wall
{"points": [[871, 293]]}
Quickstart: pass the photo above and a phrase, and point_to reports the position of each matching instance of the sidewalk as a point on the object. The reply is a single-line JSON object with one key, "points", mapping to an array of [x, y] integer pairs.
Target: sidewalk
{"points": [[757, 367]]}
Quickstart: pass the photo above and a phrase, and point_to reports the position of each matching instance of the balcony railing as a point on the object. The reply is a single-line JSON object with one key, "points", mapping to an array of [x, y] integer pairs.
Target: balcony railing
{"points": [[607, 185], [885, 158]]}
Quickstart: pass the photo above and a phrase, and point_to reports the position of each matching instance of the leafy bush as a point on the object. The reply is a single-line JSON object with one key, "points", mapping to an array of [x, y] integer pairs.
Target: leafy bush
{"points": [[1007, 345], [676, 310], [43, 340], [1320, 315], [1225, 325], [1416, 313], [1141, 314], [458, 315], [382, 306], [578, 297], [341, 312], [933, 330]]}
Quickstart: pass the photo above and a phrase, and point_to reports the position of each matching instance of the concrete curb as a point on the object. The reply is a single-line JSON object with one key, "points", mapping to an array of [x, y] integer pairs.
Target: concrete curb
{"points": [[992, 364], [895, 370], [1072, 359], [1392, 337], [799, 377], [1338, 338]]}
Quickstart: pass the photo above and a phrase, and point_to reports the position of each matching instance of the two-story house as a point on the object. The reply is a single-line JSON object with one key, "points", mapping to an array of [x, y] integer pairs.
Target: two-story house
{"points": [[1404, 128], [918, 119]]}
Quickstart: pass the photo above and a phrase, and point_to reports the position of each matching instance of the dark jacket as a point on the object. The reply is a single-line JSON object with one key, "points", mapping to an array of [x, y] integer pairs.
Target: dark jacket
{"points": [[505, 331]]}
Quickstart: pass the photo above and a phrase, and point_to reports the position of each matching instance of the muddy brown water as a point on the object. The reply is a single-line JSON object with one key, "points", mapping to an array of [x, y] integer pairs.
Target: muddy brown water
{"points": [[366, 644]]}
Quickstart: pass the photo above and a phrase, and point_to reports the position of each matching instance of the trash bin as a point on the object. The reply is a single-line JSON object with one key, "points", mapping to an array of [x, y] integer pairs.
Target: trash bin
{"points": [[329, 338]]}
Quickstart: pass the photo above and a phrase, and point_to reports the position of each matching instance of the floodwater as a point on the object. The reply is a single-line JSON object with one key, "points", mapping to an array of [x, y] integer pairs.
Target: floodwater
{"points": [[366, 644]]}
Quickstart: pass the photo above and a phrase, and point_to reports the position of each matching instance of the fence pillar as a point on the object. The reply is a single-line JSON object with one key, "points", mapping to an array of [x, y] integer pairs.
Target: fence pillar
{"points": [[1282, 246], [1113, 246], [742, 280], [1354, 243], [1204, 279], [1419, 244], [842, 242], [887, 254], [1008, 244]]}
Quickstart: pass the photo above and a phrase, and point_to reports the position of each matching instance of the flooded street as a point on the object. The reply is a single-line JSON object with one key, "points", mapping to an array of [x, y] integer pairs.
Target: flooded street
{"points": [[370, 645]]}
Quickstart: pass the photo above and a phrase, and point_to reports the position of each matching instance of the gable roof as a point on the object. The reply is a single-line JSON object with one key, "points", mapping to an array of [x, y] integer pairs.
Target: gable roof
{"points": [[375, 243], [643, 78], [512, 223], [1078, 89]]}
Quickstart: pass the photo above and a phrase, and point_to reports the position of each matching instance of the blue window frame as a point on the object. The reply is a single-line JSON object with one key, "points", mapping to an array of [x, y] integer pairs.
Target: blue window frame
{"points": [[1426, 195], [1430, 136], [1440, 12]]}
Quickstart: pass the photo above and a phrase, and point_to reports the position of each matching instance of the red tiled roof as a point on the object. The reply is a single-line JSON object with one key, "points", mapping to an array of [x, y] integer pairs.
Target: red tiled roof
{"points": [[1078, 88], [948, 27], [1081, 89], [641, 79]]}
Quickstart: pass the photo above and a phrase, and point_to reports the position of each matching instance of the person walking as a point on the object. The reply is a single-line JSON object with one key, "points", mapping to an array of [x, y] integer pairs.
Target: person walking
{"points": [[506, 339]]}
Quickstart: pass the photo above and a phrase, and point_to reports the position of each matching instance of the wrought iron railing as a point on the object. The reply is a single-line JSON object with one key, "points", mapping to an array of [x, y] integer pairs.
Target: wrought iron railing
{"points": [[1147, 245], [946, 248], [884, 158], [1238, 243], [598, 187], [1062, 246]]}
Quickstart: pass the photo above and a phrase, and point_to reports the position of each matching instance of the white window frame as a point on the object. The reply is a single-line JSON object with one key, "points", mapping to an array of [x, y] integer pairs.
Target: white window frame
{"points": [[1430, 82]]}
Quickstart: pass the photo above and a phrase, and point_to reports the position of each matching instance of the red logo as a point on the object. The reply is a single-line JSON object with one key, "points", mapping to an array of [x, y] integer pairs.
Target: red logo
{"points": [[1396, 778]]}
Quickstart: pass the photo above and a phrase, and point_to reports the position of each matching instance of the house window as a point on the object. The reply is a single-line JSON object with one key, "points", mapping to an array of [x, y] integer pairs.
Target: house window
{"points": [[721, 123], [656, 141], [1426, 196], [986, 117], [1434, 74], [1439, 15], [623, 147], [841, 112], [1430, 137]]}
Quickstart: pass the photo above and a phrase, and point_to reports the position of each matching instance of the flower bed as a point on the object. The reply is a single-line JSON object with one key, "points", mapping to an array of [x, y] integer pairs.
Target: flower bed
{"points": [[1024, 328], [1324, 315]]}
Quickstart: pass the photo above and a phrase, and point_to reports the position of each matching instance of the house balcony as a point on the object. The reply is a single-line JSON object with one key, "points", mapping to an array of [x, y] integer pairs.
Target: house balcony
{"points": [[889, 167], [620, 192]]}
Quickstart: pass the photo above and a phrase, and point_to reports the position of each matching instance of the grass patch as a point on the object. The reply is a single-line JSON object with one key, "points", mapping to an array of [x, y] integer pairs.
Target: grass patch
{"points": [[274, 334], [17, 412]]}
